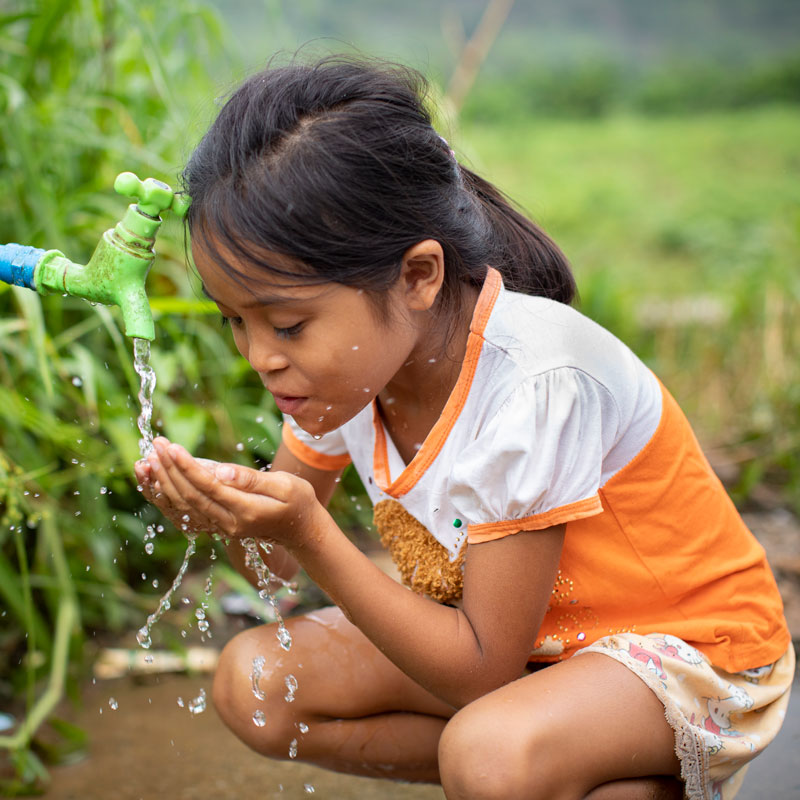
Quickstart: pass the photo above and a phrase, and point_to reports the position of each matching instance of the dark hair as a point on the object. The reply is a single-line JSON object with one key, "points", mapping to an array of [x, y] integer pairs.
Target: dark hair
{"points": [[336, 165]]}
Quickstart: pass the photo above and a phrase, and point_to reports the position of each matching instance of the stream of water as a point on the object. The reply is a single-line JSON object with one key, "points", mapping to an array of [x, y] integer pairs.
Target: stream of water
{"points": [[253, 559]]}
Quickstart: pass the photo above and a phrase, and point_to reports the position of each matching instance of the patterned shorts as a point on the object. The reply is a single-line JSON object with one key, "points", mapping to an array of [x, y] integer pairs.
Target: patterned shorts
{"points": [[722, 720]]}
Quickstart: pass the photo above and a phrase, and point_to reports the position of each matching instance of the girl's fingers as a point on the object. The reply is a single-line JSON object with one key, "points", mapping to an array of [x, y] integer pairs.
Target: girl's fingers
{"points": [[194, 484]]}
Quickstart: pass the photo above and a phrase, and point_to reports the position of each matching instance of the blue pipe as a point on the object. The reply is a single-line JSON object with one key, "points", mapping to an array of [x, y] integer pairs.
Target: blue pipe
{"points": [[18, 263]]}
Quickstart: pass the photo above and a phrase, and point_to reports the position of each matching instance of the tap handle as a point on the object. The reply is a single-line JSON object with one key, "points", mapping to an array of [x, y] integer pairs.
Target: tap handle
{"points": [[153, 196]]}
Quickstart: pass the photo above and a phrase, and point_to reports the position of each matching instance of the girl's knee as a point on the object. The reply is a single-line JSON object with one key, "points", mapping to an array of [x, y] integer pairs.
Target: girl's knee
{"points": [[249, 692], [484, 756], [478, 760]]}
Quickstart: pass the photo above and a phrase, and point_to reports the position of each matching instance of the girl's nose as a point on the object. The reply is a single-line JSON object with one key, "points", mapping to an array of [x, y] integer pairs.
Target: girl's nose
{"points": [[265, 357]]}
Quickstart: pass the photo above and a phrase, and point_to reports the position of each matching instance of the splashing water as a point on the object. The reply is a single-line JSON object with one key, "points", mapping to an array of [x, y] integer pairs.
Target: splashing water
{"points": [[291, 687], [259, 719], [254, 562], [198, 705], [255, 677], [147, 378], [165, 603]]}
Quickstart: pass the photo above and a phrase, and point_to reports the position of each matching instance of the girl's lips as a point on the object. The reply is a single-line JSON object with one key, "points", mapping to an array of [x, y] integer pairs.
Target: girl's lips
{"points": [[289, 405]]}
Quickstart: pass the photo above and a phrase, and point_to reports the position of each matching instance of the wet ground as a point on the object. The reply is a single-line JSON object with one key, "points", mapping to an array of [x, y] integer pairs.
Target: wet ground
{"points": [[151, 747]]}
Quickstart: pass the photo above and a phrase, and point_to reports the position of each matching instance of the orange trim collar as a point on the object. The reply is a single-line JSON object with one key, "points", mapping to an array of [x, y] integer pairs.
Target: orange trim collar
{"points": [[455, 403]]}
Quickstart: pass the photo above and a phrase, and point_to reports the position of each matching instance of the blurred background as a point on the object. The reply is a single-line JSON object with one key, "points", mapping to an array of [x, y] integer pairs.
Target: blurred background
{"points": [[658, 143]]}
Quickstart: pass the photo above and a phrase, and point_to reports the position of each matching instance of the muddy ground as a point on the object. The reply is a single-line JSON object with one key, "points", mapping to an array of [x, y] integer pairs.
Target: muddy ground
{"points": [[151, 747]]}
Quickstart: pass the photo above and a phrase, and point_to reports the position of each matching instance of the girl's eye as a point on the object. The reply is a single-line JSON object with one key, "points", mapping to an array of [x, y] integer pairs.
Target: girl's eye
{"points": [[234, 321], [288, 333]]}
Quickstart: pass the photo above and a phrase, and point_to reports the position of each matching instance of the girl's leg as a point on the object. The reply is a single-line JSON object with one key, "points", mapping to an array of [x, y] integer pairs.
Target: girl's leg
{"points": [[364, 715], [582, 728]]}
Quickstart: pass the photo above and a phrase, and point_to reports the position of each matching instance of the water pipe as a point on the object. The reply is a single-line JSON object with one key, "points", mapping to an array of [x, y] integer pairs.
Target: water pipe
{"points": [[116, 272]]}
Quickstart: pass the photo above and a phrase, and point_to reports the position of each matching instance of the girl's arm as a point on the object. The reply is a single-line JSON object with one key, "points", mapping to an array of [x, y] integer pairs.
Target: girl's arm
{"points": [[457, 654]]}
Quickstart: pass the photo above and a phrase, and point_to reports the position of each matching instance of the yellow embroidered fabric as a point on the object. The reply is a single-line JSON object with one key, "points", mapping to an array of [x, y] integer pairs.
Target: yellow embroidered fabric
{"points": [[423, 563]]}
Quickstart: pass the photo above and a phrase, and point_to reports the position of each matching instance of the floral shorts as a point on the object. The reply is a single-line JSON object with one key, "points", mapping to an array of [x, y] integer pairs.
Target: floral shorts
{"points": [[722, 720]]}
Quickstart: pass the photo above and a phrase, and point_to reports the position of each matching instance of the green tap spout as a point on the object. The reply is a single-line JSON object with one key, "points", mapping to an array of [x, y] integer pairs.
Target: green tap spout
{"points": [[117, 270]]}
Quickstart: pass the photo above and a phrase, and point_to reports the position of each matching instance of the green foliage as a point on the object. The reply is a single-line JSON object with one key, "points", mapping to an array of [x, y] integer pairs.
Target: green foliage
{"points": [[595, 86]]}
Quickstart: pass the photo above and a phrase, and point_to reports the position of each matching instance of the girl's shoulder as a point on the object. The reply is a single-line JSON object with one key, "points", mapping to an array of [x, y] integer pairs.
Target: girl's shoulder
{"points": [[529, 339]]}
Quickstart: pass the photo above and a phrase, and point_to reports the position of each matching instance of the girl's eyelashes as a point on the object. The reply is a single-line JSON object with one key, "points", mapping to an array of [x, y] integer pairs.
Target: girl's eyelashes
{"points": [[288, 333], [281, 333]]}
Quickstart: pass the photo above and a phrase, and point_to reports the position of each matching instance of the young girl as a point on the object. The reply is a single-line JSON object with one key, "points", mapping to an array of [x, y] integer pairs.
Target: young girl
{"points": [[585, 614]]}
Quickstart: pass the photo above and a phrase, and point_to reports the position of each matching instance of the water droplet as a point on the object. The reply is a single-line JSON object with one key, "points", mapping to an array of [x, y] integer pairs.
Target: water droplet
{"points": [[148, 548], [303, 728], [355, 347], [155, 583], [113, 704], [293, 748], [180, 702], [185, 518], [308, 788], [103, 489], [199, 613], [581, 636], [239, 446], [259, 419], [202, 625], [259, 719], [76, 381], [255, 677], [284, 637], [198, 705], [143, 637], [291, 687]]}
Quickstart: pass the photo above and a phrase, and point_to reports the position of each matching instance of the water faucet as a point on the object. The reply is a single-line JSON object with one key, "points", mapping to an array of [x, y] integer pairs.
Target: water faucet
{"points": [[116, 272]]}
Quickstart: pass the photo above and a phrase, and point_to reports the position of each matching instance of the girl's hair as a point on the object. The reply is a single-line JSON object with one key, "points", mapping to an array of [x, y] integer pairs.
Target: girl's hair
{"points": [[336, 165]]}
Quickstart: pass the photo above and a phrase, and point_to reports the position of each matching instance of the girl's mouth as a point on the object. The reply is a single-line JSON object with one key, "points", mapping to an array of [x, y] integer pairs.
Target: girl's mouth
{"points": [[289, 405]]}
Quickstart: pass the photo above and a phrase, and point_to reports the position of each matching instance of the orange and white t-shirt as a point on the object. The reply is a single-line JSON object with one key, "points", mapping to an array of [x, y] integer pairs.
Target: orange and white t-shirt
{"points": [[554, 420]]}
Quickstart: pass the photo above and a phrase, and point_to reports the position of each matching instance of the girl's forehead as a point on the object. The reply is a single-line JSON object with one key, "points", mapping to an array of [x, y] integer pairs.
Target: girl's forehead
{"points": [[267, 278]]}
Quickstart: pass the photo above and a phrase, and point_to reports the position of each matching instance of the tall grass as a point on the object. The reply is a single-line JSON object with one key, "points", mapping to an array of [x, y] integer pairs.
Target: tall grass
{"points": [[88, 90]]}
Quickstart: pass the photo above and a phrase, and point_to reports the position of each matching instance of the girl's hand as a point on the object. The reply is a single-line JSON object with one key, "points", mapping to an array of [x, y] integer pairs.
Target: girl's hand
{"points": [[151, 489], [229, 499]]}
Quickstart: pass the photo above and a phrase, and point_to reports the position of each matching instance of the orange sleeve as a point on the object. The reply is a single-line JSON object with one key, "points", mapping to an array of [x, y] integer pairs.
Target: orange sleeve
{"points": [[489, 531], [311, 457]]}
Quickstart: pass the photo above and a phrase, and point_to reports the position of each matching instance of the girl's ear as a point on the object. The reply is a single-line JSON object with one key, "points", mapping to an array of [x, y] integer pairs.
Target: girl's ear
{"points": [[422, 274]]}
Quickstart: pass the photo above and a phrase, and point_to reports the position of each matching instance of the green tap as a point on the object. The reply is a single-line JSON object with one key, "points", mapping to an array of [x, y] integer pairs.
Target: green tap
{"points": [[116, 272]]}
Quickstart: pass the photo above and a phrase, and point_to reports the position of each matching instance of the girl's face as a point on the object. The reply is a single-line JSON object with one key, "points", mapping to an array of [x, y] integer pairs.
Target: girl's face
{"points": [[321, 350]]}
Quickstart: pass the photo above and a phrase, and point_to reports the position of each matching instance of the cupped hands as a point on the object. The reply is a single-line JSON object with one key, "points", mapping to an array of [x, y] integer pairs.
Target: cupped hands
{"points": [[198, 495]]}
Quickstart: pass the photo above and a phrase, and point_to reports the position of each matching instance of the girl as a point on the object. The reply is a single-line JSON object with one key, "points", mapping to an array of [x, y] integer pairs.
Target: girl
{"points": [[588, 615]]}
